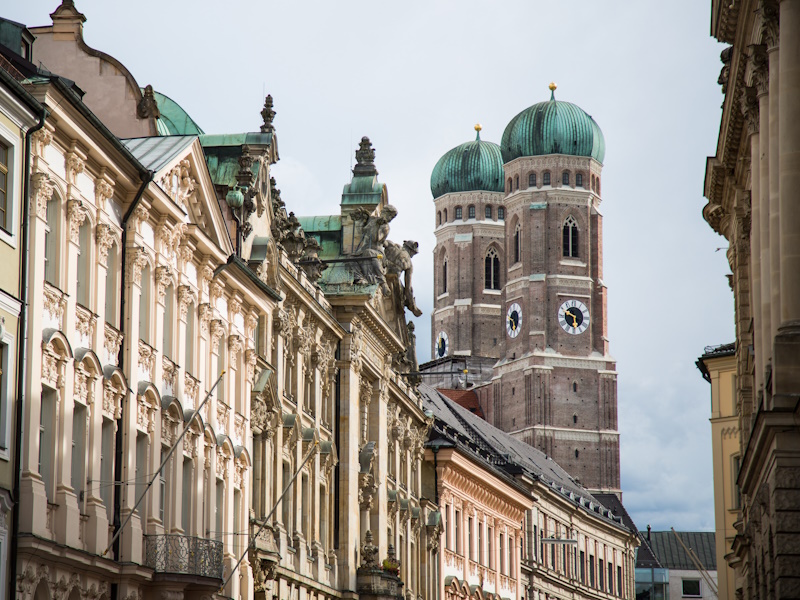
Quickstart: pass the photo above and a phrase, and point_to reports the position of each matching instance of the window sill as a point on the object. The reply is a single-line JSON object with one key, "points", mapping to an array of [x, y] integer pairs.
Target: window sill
{"points": [[493, 292], [443, 296], [572, 262]]}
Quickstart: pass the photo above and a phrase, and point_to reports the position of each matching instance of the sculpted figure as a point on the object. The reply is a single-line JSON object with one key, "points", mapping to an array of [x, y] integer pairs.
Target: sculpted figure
{"points": [[374, 231], [398, 260]]}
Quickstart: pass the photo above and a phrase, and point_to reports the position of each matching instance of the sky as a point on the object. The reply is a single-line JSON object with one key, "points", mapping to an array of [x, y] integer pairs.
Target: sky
{"points": [[415, 77]]}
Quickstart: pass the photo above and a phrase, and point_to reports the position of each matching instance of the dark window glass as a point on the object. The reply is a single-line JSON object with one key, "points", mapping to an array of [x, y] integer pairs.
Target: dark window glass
{"points": [[491, 280], [546, 179], [517, 243], [565, 178], [532, 180], [516, 182], [579, 180], [458, 212], [445, 215], [501, 213], [444, 277], [691, 587], [570, 238], [5, 221], [600, 574], [488, 212], [471, 212], [582, 566]]}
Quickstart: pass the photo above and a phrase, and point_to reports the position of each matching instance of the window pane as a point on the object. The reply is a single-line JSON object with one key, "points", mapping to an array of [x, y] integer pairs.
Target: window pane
{"points": [[471, 212], [501, 213], [495, 273], [532, 180], [691, 587], [488, 212], [579, 180], [458, 212], [546, 179], [565, 178]]}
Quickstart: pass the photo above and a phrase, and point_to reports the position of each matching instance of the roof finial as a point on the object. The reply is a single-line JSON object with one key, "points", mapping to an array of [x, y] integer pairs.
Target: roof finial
{"points": [[552, 88], [478, 128], [268, 115]]}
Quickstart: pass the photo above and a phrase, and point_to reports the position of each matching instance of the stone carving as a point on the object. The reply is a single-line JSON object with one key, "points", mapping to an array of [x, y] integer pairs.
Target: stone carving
{"points": [[749, 106], [179, 184], [111, 343], [191, 389], [217, 331], [102, 192], [164, 279], [268, 115], [106, 236], [186, 296], [170, 238], [770, 13], [138, 259], [235, 346], [54, 303], [759, 64], [369, 552], [42, 192], [374, 231], [310, 263], [74, 166], [141, 214], [250, 364], [147, 106], [205, 312], [41, 140], [398, 259], [85, 321], [725, 57], [76, 215]]}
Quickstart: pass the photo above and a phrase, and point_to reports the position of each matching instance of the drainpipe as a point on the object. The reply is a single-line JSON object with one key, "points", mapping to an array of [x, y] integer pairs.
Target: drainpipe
{"points": [[147, 177], [22, 348]]}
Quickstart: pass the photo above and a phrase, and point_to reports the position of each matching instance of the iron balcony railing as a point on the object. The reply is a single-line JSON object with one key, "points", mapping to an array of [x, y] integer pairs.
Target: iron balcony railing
{"points": [[173, 553]]}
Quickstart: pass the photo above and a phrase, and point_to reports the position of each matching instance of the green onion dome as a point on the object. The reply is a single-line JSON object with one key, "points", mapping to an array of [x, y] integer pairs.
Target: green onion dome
{"points": [[472, 166], [553, 127]]}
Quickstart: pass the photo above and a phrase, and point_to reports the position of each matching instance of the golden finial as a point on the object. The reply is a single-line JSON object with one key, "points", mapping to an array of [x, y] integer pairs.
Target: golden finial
{"points": [[552, 86], [478, 127]]}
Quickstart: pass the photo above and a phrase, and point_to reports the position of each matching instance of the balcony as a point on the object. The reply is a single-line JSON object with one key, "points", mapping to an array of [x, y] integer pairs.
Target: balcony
{"points": [[183, 555]]}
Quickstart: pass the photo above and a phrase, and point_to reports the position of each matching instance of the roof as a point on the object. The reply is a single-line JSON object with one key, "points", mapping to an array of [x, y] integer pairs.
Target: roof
{"points": [[553, 127], [671, 554], [472, 166], [466, 399], [156, 152], [505, 453], [173, 120], [712, 352]]}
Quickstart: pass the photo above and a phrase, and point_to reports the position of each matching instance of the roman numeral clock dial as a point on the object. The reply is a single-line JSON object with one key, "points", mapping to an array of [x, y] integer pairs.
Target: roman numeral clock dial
{"points": [[573, 316]]}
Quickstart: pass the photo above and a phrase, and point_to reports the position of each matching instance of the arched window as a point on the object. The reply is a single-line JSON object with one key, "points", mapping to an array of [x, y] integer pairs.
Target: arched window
{"points": [[144, 306], [501, 213], [598, 186], [579, 180], [52, 255], [565, 178], [546, 178], [439, 218], [518, 244], [487, 211], [570, 237], [516, 182], [445, 215], [444, 276], [491, 280], [593, 184], [510, 188], [471, 212], [531, 179], [84, 275], [458, 213]]}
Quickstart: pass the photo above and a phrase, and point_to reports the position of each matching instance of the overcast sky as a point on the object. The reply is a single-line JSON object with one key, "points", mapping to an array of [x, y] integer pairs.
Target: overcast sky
{"points": [[415, 77]]}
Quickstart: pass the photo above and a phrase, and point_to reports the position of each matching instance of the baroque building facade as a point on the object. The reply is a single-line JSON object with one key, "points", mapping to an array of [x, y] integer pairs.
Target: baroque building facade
{"points": [[520, 302], [193, 363], [750, 185]]}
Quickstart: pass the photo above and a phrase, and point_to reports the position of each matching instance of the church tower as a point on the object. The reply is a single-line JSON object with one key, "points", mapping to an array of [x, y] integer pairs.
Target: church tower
{"points": [[554, 382]]}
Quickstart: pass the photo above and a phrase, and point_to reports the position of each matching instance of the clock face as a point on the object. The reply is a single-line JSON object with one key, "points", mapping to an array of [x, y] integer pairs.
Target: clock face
{"points": [[442, 345], [514, 320], [573, 316]]}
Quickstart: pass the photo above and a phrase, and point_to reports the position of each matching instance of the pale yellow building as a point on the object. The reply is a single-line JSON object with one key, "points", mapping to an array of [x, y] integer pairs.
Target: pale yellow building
{"points": [[718, 366]]}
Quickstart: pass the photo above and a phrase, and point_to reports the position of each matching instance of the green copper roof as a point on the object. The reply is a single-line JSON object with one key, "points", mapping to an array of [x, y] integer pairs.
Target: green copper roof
{"points": [[216, 140], [472, 166], [553, 127], [173, 120], [362, 189], [321, 223], [223, 163]]}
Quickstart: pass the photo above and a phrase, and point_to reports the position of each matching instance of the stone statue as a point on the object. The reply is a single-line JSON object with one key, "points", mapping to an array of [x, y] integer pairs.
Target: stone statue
{"points": [[374, 231], [398, 260]]}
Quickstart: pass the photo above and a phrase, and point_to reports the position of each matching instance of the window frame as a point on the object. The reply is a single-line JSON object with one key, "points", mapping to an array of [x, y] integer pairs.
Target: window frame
{"points": [[14, 155], [570, 238], [491, 270], [565, 178], [459, 213], [579, 180], [471, 211], [501, 213], [684, 594], [546, 178], [532, 180], [488, 211]]}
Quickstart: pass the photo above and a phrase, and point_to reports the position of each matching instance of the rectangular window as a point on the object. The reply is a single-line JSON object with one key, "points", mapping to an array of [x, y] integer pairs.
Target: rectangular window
{"points": [[737, 493], [591, 571], [579, 180], [619, 581], [582, 566], [51, 255], [457, 531], [471, 212], [188, 494], [458, 212], [447, 542], [107, 467], [532, 180], [188, 359], [323, 518], [46, 441], [168, 323], [502, 555], [565, 178], [610, 579], [306, 508], [237, 522], [141, 470], [111, 314], [78, 463], [501, 213], [510, 563], [287, 499], [535, 543], [546, 179], [480, 543], [5, 218], [489, 547], [219, 510], [469, 538], [600, 572], [691, 588], [488, 212]]}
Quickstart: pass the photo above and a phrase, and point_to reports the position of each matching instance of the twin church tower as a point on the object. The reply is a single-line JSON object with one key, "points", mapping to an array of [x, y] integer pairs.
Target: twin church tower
{"points": [[519, 297]]}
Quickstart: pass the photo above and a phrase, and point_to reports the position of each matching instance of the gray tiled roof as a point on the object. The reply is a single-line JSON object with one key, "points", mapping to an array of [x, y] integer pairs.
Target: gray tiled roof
{"points": [[505, 453], [155, 152], [672, 555]]}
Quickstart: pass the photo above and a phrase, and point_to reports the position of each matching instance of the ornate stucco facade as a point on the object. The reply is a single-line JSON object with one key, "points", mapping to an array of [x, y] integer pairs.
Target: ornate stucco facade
{"points": [[751, 184], [190, 353]]}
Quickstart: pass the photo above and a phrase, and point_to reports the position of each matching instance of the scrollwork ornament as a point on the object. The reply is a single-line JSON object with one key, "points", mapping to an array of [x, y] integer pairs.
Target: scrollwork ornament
{"points": [[102, 192], [250, 361], [217, 331], [186, 296], [205, 311], [74, 166], [106, 237], [164, 279], [770, 24], [76, 215], [42, 193], [138, 259], [41, 140]]}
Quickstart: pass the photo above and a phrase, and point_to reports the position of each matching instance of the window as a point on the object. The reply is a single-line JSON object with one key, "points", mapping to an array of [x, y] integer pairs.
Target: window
{"points": [[445, 215], [51, 246], [516, 182], [144, 306], [237, 521], [78, 463], [532, 180], [469, 538], [458, 212], [691, 588], [579, 180], [582, 566], [306, 507], [489, 555], [166, 339], [591, 571], [140, 470], [84, 273], [162, 488], [457, 530], [111, 310], [570, 237], [510, 563], [287, 499], [502, 556], [600, 574], [188, 359], [444, 277], [5, 218], [470, 212], [610, 578], [188, 494], [546, 178], [480, 543], [47, 442], [518, 244], [107, 467], [439, 218], [619, 581], [510, 188], [737, 492], [491, 279], [565, 178], [323, 518], [447, 543], [487, 211], [219, 509], [501, 213]]}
